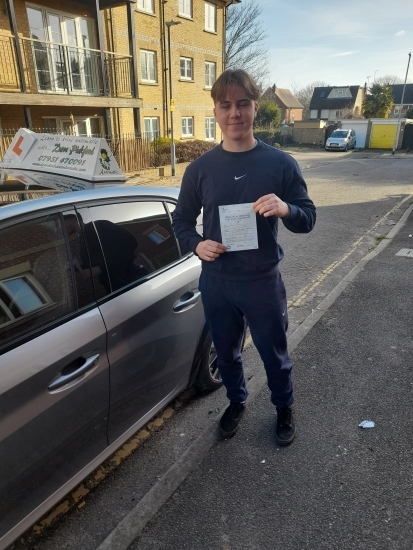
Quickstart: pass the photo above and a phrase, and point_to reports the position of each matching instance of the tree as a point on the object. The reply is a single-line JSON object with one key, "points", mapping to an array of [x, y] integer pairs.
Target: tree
{"points": [[245, 39], [304, 94], [379, 102], [388, 80], [268, 115]]}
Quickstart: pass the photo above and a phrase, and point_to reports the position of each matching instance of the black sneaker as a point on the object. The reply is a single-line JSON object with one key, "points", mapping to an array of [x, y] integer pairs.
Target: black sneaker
{"points": [[231, 418], [285, 429]]}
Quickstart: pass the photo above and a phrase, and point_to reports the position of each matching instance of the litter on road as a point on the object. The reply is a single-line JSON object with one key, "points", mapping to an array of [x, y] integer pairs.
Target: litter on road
{"points": [[366, 424]]}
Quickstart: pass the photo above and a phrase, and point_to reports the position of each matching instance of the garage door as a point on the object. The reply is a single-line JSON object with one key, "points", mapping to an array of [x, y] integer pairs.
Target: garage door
{"points": [[382, 136], [360, 130]]}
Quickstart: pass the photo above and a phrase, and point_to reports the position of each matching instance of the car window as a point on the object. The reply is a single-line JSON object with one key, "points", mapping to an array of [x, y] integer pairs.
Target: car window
{"points": [[83, 277], [171, 209], [136, 239], [339, 134], [36, 285]]}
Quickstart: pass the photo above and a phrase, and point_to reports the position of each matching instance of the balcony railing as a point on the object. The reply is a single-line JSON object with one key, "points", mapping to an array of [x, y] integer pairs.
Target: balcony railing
{"points": [[61, 69]]}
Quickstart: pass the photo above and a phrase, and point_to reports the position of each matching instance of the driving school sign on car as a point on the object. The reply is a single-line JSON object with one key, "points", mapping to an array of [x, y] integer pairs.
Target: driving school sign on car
{"points": [[88, 158]]}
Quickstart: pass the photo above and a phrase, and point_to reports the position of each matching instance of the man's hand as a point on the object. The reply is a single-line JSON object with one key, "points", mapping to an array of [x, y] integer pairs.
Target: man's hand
{"points": [[209, 250], [271, 205]]}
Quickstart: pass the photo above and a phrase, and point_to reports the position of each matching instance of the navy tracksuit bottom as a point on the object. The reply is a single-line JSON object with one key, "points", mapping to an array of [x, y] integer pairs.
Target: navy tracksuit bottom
{"points": [[263, 303]]}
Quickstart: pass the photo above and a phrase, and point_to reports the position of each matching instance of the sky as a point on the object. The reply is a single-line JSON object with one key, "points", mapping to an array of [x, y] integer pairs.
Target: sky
{"points": [[339, 43]]}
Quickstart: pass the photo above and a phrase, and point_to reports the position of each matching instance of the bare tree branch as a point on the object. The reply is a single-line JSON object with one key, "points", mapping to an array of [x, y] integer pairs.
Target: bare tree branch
{"points": [[245, 47], [305, 93]]}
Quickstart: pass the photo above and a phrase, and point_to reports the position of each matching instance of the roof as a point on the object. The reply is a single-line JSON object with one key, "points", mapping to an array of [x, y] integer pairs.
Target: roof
{"points": [[286, 97], [112, 193], [398, 91], [318, 102]]}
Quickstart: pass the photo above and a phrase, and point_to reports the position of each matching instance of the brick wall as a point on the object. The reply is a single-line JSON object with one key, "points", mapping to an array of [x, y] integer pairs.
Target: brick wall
{"points": [[309, 136], [188, 39]]}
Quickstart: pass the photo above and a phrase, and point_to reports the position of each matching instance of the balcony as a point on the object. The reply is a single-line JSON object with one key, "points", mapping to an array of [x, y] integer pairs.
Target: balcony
{"points": [[52, 68]]}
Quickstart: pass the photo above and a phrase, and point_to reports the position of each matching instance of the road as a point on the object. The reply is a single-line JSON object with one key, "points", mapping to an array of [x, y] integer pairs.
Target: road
{"points": [[358, 201]]}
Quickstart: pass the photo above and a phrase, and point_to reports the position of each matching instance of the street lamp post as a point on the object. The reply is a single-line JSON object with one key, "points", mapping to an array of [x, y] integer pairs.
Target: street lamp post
{"points": [[169, 24], [396, 139]]}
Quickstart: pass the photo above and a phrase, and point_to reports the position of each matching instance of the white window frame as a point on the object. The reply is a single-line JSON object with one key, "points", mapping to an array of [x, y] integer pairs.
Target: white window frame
{"points": [[210, 17], [325, 114], [185, 8], [60, 120], [145, 55], [153, 133], [210, 73], [187, 70], [210, 128], [185, 126], [147, 6], [339, 92], [313, 113], [78, 50]]}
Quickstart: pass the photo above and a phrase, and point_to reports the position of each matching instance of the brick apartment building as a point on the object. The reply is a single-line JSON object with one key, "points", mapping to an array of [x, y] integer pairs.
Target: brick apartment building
{"points": [[100, 67]]}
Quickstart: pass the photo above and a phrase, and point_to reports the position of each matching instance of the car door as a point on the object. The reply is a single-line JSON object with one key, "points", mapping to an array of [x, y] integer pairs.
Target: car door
{"points": [[154, 317], [54, 373]]}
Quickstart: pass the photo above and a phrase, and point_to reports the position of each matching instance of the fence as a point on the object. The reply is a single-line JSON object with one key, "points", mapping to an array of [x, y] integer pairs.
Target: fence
{"points": [[131, 153]]}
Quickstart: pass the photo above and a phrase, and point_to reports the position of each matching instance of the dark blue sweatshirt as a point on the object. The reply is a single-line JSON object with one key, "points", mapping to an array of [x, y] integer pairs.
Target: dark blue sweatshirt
{"points": [[221, 177]]}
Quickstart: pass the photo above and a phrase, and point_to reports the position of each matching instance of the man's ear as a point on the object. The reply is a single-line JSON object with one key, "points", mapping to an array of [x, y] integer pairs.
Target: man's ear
{"points": [[255, 108]]}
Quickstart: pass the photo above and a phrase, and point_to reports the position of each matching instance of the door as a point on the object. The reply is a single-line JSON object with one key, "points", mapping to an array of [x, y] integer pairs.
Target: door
{"points": [[54, 389], [383, 136], [155, 316], [57, 61]]}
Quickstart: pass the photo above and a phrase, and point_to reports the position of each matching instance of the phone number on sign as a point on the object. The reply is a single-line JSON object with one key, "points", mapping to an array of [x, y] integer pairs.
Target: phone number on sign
{"points": [[66, 160]]}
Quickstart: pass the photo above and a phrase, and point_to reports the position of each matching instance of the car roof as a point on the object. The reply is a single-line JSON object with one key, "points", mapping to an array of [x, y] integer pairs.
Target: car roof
{"points": [[59, 200]]}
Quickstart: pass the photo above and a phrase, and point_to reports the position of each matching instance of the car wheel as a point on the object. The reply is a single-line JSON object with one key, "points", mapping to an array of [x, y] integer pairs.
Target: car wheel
{"points": [[346, 148], [208, 377]]}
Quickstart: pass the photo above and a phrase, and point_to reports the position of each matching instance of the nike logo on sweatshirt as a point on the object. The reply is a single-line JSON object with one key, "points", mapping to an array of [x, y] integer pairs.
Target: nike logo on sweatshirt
{"points": [[239, 177]]}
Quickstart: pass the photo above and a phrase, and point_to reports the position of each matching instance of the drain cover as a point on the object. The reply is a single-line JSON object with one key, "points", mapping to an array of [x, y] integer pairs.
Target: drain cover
{"points": [[406, 252]]}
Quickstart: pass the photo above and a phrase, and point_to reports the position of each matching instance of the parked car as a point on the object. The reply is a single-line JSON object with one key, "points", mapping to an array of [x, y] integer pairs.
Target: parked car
{"points": [[341, 140], [101, 325]]}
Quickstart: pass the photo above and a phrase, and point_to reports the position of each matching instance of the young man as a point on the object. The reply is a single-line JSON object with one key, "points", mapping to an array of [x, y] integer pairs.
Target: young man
{"points": [[245, 282]]}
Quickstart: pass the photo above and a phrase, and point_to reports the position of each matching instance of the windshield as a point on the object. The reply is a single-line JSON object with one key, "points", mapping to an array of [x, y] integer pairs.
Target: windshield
{"points": [[339, 133]]}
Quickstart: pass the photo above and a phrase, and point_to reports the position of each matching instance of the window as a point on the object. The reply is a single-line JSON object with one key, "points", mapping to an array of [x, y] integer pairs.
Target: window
{"points": [[36, 286], [186, 68], [77, 126], [136, 239], [146, 5], [323, 93], [210, 72], [339, 92], [151, 128], [185, 8], [210, 17], [76, 65], [313, 113], [187, 126], [148, 66], [209, 127], [325, 113]]}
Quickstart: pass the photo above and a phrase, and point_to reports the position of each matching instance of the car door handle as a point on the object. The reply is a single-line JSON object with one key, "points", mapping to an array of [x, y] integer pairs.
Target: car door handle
{"points": [[74, 370], [189, 299]]}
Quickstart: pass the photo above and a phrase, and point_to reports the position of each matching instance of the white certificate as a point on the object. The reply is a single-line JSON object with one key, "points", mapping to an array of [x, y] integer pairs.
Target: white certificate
{"points": [[238, 227]]}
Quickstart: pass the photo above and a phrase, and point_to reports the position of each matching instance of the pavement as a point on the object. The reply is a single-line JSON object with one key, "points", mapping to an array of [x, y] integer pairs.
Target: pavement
{"points": [[338, 486]]}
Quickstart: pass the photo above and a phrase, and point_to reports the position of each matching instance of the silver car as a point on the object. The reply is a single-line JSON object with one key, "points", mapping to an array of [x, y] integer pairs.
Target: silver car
{"points": [[101, 325], [341, 140]]}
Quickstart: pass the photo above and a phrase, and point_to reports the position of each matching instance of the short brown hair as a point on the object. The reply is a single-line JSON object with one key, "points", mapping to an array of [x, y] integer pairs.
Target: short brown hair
{"points": [[236, 77]]}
